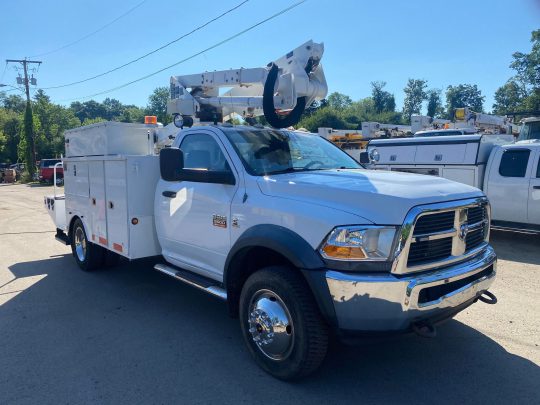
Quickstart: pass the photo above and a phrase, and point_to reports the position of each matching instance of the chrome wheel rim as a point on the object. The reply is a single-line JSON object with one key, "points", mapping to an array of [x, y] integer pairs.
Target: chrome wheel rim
{"points": [[80, 244], [270, 325]]}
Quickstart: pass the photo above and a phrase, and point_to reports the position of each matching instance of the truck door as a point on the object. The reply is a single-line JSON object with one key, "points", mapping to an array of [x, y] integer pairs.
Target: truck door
{"points": [[534, 192], [508, 184], [193, 218]]}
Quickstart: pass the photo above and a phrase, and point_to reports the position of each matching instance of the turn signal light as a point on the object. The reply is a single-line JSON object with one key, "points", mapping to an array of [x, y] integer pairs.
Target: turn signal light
{"points": [[150, 119], [134, 221], [344, 252]]}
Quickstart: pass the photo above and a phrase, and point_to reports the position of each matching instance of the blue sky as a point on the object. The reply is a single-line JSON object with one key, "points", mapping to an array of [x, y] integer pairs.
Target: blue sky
{"points": [[441, 41]]}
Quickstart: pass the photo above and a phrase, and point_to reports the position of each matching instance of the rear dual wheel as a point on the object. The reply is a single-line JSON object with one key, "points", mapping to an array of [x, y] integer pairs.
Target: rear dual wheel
{"points": [[88, 255]]}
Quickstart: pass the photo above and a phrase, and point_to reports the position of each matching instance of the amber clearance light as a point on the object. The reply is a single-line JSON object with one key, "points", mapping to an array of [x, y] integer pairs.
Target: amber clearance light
{"points": [[150, 119]]}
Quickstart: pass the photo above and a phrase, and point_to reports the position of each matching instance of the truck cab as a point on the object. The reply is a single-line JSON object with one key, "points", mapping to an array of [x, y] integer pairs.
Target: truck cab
{"points": [[530, 129], [512, 184]]}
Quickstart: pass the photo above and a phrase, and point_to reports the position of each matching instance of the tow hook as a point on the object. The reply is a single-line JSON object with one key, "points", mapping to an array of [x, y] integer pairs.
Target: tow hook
{"points": [[424, 329], [489, 298]]}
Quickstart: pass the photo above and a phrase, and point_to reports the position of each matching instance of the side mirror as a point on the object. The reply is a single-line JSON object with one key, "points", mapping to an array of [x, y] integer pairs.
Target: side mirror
{"points": [[364, 157], [171, 163]]}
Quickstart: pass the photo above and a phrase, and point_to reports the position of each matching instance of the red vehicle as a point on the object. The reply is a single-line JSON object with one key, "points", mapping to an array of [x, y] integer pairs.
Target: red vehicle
{"points": [[46, 170]]}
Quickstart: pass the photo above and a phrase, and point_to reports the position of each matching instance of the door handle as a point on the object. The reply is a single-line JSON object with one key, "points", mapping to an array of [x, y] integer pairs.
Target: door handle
{"points": [[536, 187], [169, 194]]}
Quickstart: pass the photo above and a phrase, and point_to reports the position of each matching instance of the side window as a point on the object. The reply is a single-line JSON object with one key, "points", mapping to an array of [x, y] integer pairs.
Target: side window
{"points": [[201, 151], [514, 162], [538, 169]]}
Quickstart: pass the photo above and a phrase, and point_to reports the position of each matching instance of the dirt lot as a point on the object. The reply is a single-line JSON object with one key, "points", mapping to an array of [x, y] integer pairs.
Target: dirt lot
{"points": [[131, 335]]}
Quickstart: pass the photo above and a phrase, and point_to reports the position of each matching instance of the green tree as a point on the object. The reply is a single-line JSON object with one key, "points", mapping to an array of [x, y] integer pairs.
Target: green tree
{"points": [[157, 105], [90, 121], [509, 97], [324, 117], [415, 94], [339, 101], [132, 113], [435, 107], [13, 102], [50, 122], [113, 109], [463, 95], [3, 147], [527, 65], [10, 123], [88, 110], [383, 101]]}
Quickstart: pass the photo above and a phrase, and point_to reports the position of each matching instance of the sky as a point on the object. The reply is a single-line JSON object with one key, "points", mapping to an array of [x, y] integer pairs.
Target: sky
{"points": [[446, 43]]}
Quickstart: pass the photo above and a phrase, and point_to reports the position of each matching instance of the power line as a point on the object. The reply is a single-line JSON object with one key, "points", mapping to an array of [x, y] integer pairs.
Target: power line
{"points": [[92, 33], [151, 52], [283, 11]]}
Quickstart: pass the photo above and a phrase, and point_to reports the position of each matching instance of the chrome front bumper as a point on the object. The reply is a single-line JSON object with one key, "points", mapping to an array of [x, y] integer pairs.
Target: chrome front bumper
{"points": [[386, 302]]}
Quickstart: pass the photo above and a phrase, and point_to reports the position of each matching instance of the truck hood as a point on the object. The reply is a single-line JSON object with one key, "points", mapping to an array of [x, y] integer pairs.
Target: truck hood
{"points": [[380, 197]]}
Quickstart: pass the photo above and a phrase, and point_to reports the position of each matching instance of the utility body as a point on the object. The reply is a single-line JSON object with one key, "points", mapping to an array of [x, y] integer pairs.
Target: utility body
{"points": [[508, 173], [297, 237]]}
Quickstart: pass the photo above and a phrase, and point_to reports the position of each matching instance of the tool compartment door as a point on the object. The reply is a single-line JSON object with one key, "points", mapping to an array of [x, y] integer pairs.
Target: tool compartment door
{"points": [[402, 154], [97, 204], [439, 153], [116, 206]]}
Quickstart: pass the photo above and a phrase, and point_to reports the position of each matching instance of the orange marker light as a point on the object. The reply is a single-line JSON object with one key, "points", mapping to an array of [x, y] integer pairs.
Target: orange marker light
{"points": [[150, 119]]}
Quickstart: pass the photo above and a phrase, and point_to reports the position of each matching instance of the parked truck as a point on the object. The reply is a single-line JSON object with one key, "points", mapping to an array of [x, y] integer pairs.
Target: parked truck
{"points": [[46, 171], [507, 172], [296, 236]]}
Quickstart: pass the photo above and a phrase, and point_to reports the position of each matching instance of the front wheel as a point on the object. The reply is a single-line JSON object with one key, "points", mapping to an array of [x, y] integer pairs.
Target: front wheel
{"points": [[281, 323], [88, 255]]}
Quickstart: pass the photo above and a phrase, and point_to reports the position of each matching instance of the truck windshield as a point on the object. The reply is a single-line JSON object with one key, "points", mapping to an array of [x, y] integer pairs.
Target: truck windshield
{"points": [[266, 152], [530, 130]]}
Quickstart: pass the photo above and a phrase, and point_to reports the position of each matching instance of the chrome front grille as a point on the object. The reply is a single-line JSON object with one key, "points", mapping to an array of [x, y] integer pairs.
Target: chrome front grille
{"points": [[476, 214], [439, 222], [439, 234], [429, 250]]}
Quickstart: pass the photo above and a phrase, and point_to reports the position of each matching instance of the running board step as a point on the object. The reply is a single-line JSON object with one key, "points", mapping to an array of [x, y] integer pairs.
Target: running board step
{"points": [[202, 283]]}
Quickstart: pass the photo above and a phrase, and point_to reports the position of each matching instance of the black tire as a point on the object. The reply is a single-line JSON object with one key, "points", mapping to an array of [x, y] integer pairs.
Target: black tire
{"points": [[309, 332], [92, 255]]}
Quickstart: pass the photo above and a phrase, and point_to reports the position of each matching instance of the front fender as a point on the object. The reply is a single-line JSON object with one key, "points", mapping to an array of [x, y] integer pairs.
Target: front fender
{"points": [[281, 240]]}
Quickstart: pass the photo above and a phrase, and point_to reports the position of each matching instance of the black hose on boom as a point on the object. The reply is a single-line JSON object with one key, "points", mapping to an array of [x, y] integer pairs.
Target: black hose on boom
{"points": [[273, 118]]}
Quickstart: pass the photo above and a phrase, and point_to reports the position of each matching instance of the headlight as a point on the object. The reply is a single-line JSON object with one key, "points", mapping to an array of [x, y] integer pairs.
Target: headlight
{"points": [[374, 155], [359, 243]]}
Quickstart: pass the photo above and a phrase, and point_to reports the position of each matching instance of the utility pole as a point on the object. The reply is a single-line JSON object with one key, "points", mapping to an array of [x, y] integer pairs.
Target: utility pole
{"points": [[28, 126]]}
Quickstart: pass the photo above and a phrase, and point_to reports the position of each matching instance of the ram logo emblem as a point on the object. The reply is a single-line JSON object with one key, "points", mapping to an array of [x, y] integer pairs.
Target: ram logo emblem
{"points": [[463, 231]]}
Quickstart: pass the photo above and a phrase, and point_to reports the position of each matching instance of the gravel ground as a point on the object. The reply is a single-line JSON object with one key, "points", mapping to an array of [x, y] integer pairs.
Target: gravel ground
{"points": [[132, 335]]}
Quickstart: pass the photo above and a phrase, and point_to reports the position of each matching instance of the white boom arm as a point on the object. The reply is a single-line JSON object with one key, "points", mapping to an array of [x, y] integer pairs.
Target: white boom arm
{"points": [[281, 91]]}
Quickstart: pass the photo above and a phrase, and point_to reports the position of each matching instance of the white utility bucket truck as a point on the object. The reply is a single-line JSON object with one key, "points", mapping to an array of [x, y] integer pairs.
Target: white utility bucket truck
{"points": [[507, 172], [290, 231]]}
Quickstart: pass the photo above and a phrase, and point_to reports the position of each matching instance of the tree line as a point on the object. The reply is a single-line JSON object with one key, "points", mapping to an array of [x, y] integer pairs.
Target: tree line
{"points": [[48, 121], [520, 94]]}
